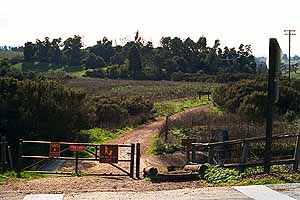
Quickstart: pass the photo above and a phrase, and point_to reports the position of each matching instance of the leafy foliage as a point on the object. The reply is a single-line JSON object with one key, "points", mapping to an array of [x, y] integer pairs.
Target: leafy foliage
{"points": [[217, 175], [249, 97], [40, 109]]}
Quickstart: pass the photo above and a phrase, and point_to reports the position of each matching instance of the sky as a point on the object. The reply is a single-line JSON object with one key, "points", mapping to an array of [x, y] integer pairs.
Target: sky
{"points": [[231, 21]]}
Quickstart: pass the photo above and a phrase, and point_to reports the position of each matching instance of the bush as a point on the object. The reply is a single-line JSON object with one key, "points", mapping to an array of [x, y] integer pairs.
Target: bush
{"points": [[217, 175], [120, 111], [249, 98], [40, 110]]}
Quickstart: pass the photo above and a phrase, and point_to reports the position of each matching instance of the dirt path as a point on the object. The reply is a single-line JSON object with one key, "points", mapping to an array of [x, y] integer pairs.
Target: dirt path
{"points": [[144, 135]]}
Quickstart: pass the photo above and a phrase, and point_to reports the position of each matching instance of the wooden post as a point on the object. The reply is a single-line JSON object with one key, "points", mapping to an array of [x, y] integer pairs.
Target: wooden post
{"points": [[19, 161], [76, 164], [132, 160], [297, 155], [96, 153], [188, 154], [274, 63], [138, 157], [167, 129], [208, 94], [244, 157], [193, 153], [210, 154]]}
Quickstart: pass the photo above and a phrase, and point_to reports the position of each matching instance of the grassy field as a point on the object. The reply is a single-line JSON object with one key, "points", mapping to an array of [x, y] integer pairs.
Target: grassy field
{"points": [[9, 54], [152, 90], [170, 107]]}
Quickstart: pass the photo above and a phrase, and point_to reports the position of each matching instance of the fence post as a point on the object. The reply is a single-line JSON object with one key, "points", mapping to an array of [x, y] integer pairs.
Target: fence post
{"points": [[210, 154], [244, 157], [76, 163], [297, 155], [132, 160], [188, 154], [193, 153], [19, 161], [167, 128], [96, 153], [138, 157]]}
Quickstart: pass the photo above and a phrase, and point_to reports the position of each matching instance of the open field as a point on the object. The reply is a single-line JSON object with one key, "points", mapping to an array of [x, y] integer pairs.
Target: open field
{"points": [[152, 90], [9, 54]]}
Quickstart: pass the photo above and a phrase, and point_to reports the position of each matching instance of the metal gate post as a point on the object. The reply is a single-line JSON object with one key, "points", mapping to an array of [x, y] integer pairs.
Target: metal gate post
{"points": [[76, 164], [19, 161], [138, 157], [132, 160]]}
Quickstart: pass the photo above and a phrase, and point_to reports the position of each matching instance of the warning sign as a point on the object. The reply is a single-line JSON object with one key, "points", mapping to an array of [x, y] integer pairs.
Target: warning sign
{"points": [[109, 153], [54, 149], [76, 148]]}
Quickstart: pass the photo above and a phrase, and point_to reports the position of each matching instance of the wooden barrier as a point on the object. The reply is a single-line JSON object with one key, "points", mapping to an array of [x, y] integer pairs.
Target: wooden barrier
{"points": [[245, 151]]}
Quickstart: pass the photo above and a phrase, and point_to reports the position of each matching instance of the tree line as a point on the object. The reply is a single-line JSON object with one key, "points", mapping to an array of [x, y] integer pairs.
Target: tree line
{"points": [[139, 59]]}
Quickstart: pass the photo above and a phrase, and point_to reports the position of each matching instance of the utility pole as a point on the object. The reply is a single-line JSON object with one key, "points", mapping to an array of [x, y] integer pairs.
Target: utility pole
{"points": [[289, 32]]}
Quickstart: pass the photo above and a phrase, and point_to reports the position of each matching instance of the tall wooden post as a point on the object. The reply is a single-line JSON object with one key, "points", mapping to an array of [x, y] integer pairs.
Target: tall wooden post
{"points": [[274, 64]]}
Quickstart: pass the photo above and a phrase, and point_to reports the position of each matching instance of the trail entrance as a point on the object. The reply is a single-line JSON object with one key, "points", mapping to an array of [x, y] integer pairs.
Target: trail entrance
{"points": [[34, 154]]}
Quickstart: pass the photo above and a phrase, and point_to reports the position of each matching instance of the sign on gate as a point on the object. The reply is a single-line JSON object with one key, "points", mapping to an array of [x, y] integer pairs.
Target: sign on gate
{"points": [[109, 153], [76, 148], [54, 149]]}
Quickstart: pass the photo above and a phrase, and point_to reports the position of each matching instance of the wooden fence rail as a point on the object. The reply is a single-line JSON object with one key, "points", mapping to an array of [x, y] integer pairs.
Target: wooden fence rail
{"points": [[211, 149]]}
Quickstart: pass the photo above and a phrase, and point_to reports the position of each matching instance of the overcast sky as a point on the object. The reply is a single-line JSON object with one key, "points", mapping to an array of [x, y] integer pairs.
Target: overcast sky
{"points": [[232, 21]]}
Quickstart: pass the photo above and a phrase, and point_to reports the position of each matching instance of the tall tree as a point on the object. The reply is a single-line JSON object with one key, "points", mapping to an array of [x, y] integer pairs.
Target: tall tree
{"points": [[135, 63]]}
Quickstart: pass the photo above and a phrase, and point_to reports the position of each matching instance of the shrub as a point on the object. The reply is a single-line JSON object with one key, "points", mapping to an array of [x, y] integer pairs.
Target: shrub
{"points": [[249, 97]]}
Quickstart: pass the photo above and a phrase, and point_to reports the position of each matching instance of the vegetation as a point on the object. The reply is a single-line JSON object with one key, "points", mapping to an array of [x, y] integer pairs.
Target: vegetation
{"points": [[170, 107], [100, 135], [138, 59], [24, 175], [154, 91], [249, 98]]}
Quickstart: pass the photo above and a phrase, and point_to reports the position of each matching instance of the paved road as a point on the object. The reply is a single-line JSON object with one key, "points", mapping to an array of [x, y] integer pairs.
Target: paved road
{"points": [[271, 192]]}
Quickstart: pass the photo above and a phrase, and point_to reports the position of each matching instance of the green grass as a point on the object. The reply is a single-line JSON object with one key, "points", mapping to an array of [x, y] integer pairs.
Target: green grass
{"points": [[24, 175], [78, 73], [100, 135], [9, 54], [171, 107]]}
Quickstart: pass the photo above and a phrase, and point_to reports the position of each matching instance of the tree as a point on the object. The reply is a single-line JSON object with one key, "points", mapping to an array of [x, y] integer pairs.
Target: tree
{"points": [[72, 50], [28, 52], [135, 64]]}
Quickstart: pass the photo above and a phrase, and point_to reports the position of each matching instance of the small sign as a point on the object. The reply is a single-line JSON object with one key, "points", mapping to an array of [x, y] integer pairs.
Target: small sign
{"points": [[109, 153], [54, 149], [76, 148], [187, 142]]}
